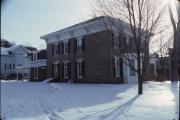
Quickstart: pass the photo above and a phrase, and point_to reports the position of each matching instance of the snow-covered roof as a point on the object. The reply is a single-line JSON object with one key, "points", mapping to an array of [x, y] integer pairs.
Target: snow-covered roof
{"points": [[88, 27], [5, 51]]}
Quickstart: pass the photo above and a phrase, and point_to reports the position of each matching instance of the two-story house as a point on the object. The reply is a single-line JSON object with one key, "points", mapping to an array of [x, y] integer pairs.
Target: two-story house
{"points": [[12, 58], [89, 53]]}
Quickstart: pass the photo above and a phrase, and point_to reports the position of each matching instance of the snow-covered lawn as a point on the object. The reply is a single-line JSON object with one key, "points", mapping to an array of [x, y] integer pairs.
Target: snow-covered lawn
{"points": [[60, 101]]}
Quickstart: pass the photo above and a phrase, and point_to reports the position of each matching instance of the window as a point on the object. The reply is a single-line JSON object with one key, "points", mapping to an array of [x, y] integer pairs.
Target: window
{"points": [[127, 42], [5, 67], [34, 56], [79, 45], [132, 71], [80, 69], [36, 73], [10, 66], [66, 47], [56, 70], [10, 53], [55, 49], [116, 41], [117, 66], [66, 75], [13, 66]]}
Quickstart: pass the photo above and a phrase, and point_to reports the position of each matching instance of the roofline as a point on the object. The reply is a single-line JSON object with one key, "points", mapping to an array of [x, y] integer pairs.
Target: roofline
{"points": [[71, 27], [67, 29]]}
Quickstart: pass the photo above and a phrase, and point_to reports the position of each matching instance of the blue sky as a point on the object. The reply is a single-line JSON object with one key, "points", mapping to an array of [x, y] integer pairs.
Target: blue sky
{"points": [[24, 21]]}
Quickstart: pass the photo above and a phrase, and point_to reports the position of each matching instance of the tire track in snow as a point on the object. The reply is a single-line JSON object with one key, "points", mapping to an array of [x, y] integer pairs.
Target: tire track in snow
{"points": [[51, 114]]}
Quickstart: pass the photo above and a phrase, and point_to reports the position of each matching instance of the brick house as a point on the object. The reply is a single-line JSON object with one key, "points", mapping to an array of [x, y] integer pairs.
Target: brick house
{"points": [[85, 53]]}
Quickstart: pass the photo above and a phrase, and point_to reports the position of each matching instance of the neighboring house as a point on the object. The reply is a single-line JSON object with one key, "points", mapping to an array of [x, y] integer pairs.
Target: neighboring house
{"points": [[12, 58], [37, 66], [85, 53]]}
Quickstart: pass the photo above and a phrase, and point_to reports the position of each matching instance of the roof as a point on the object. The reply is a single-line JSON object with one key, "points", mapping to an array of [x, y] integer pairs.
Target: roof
{"points": [[5, 51], [31, 48], [82, 23], [105, 23]]}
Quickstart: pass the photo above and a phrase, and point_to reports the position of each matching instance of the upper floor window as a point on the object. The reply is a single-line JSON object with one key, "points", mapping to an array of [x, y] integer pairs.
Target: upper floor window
{"points": [[34, 56], [129, 42], [56, 49], [14, 66], [66, 47], [79, 45], [116, 41]]}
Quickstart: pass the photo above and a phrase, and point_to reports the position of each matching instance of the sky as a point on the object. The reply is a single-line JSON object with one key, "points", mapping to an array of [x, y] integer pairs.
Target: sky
{"points": [[24, 21]]}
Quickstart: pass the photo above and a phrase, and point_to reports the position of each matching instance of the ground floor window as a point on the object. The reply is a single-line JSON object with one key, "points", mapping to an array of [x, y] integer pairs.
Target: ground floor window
{"points": [[13, 66], [132, 67], [116, 66], [80, 68], [5, 67], [36, 73], [56, 70], [66, 69]]}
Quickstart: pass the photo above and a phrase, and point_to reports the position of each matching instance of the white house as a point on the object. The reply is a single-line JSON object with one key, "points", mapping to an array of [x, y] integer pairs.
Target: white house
{"points": [[13, 58]]}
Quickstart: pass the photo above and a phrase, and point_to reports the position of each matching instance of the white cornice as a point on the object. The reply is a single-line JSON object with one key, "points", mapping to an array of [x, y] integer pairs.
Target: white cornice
{"points": [[82, 29]]}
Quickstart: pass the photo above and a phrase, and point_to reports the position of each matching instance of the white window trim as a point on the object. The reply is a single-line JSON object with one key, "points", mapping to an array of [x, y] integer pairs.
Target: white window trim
{"points": [[65, 46], [79, 44], [56, 49]]}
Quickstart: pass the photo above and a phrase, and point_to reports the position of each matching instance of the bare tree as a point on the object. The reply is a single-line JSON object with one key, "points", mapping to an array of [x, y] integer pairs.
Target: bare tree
{"points": [[175, 55], [144, 21]]}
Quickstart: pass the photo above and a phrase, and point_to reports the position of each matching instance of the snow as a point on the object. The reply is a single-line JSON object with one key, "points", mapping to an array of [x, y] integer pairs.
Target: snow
{"points": [[4, 51], [47, 80], [63, 101]]}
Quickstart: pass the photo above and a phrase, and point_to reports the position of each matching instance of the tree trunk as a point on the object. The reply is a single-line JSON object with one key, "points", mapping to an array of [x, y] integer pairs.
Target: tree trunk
{"points": [[140, 86], [175, 56]]}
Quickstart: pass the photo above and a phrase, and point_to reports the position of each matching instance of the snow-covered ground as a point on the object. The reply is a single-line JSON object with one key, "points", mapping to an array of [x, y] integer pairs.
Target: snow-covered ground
{"points": [[60, 101]]}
